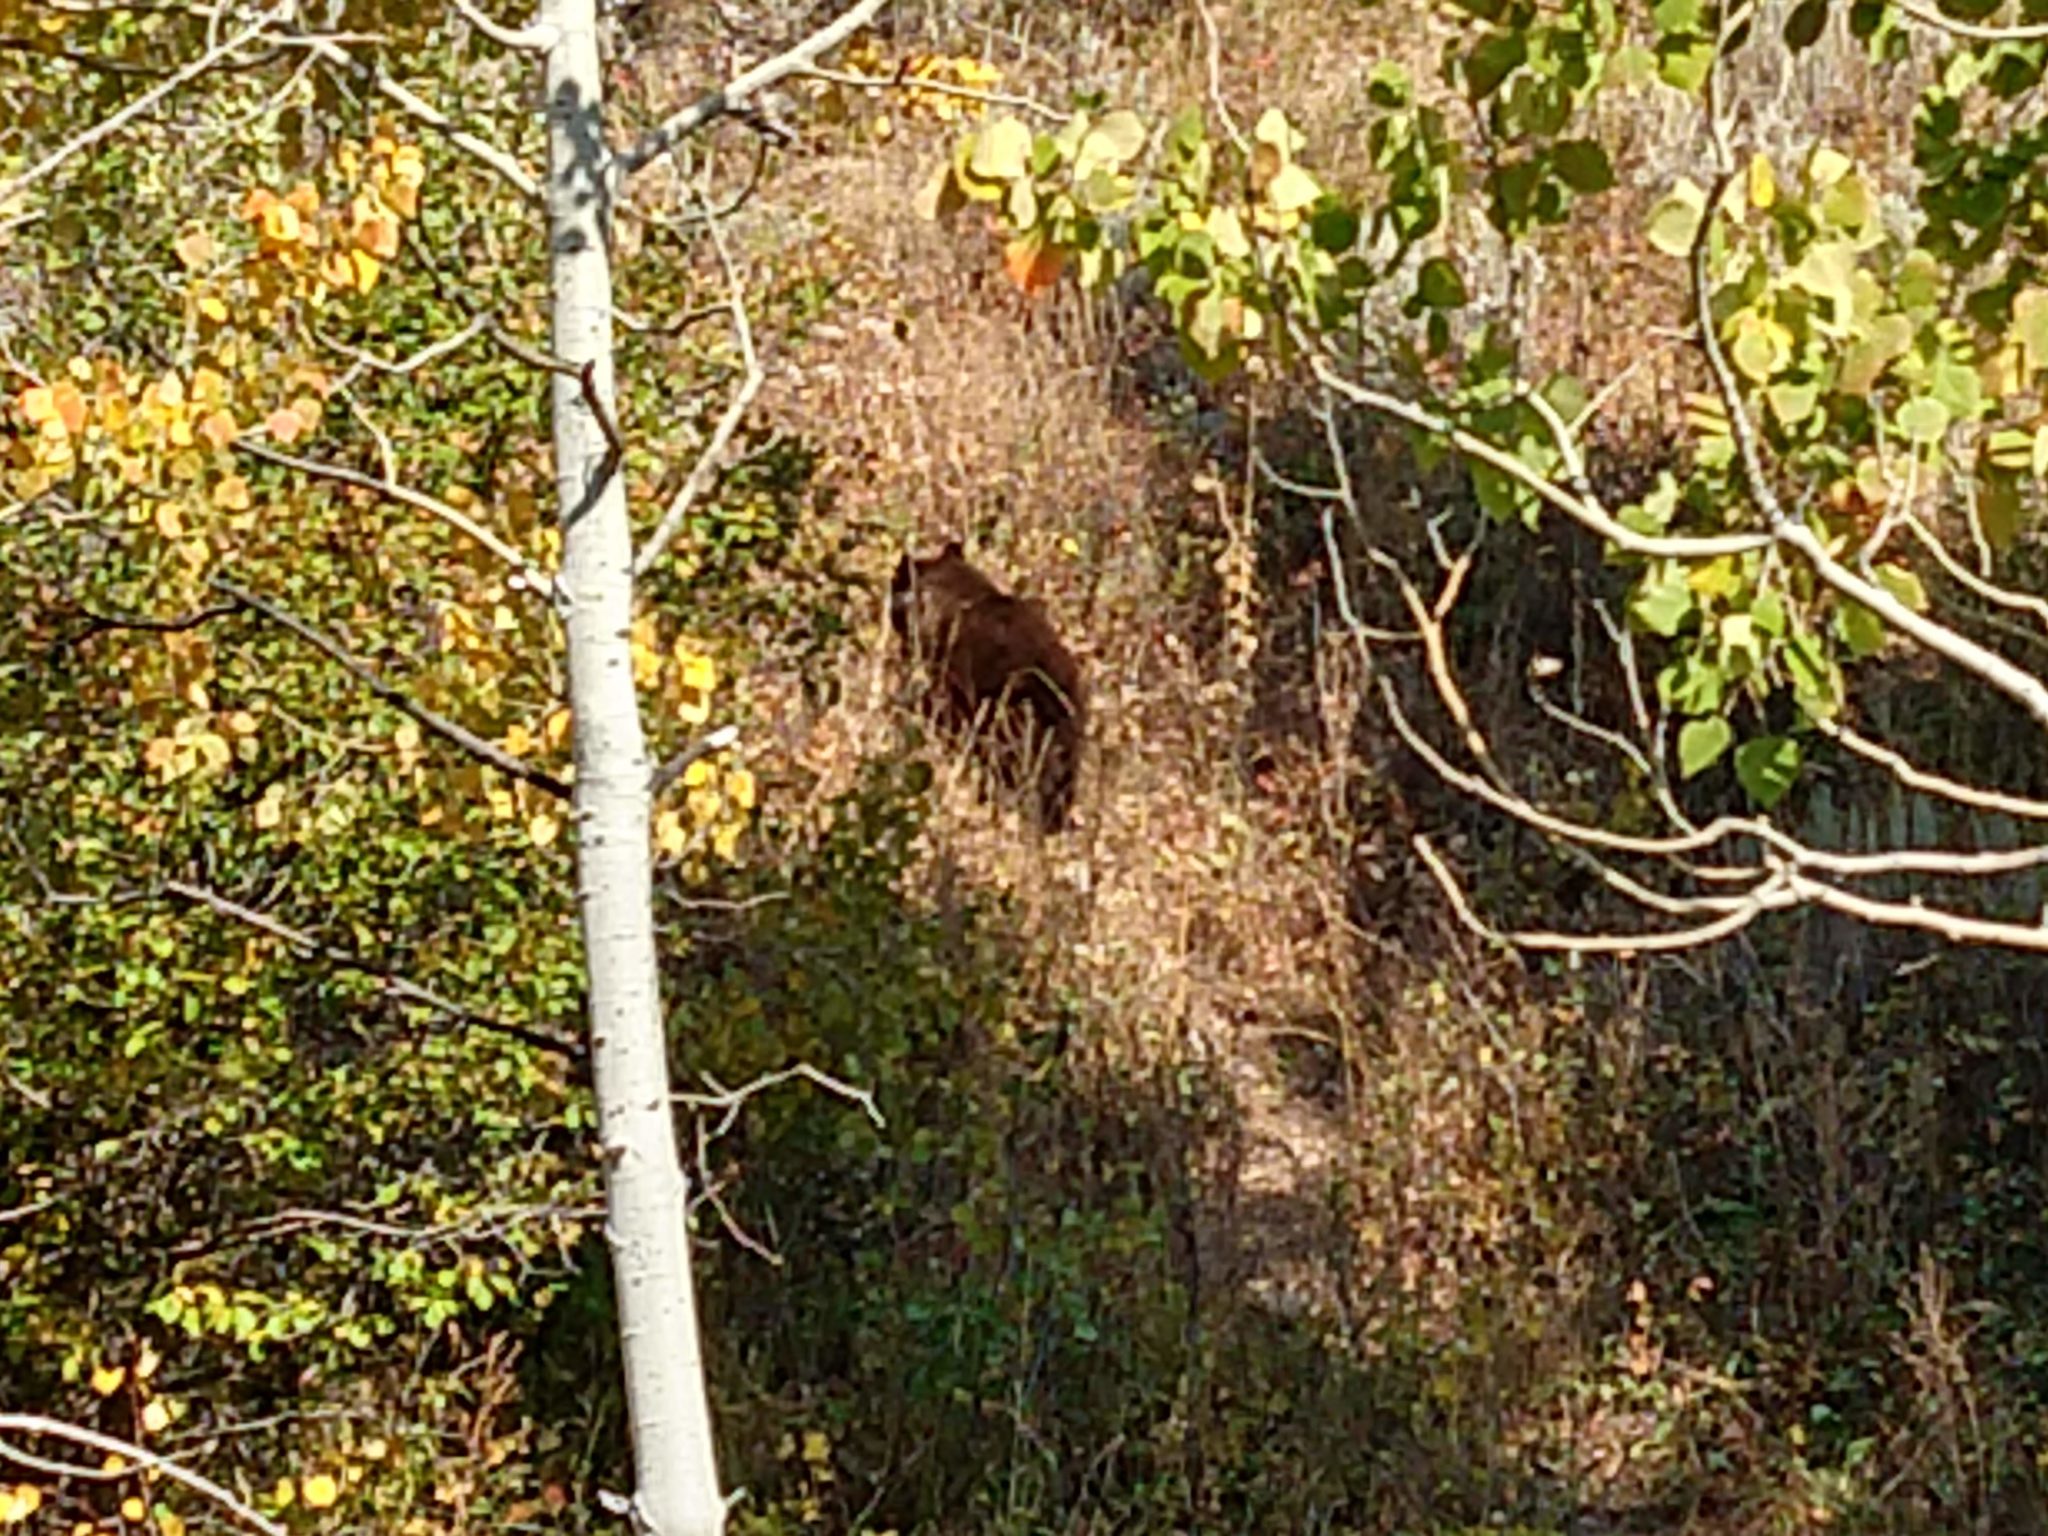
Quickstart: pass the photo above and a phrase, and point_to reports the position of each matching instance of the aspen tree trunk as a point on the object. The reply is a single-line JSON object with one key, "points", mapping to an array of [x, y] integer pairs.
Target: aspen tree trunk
{"points": [[668, 1413]]}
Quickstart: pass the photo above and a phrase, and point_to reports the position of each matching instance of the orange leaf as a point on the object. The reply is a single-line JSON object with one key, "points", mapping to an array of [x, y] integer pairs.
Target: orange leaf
{"points": [[1032, 265], [285, 425], [218, 429]]}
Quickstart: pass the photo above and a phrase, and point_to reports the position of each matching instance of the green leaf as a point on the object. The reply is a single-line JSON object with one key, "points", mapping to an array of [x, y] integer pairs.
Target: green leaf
{"points": [[1002, 150], [1768, 614], [1292, 189], [1804, 26], [1274, 129], [1438, 284], [1387, 86], [1582, 165], [1333, 227], [1114, 140], [1675, 221], [1903, 584], [1227, 230], [2030, 327], [1861, 630], [1792, 402], [1924, 419], [1661, 606], [1701, 743], [1767, 768]]}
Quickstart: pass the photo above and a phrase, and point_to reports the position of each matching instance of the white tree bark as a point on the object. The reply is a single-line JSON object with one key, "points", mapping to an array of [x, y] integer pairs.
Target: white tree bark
{"points": [[675, 1470]]}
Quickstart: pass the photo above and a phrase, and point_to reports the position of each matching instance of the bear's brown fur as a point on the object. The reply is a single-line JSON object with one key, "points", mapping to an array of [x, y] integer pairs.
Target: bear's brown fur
{"points": [[999, 670]]}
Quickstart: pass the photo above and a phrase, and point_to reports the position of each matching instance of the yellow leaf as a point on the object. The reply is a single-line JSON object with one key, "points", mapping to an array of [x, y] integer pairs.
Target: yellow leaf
{"points": [[168, 522], [543, 829], [284, 1493], [168, 1524], [305, 197], [242, 723], [280, 224], [697, 775], [218, 429], [502, 805], [698, 671], [363, 270], [725, 840], [232, 494], [38, 404], [518, 739], [669, 835], [1763, 185], [214, 310], [133, 1509], [155, 1416], [195, 249], [817, 1447], [376, 1448], [285, 425], [107, 1379], [556, 727], [146, 1363], [739, 788], [18, 1503], [319, 1490], [270, 809]]}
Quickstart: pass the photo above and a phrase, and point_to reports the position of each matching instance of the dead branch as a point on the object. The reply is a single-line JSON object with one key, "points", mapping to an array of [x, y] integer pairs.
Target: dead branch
{"points": [[738, 91], [395, 985], [439, 724], [138, 1461], [527, 573]]}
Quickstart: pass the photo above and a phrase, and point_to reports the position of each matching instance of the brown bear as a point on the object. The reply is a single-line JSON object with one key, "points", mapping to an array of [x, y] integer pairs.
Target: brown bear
{"points": [[999, 671]]}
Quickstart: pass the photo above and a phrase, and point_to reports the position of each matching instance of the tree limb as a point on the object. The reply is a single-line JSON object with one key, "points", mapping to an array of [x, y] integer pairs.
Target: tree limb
{"points": [[735, 93], [439, 724], [139, 1459], [394, 984]]}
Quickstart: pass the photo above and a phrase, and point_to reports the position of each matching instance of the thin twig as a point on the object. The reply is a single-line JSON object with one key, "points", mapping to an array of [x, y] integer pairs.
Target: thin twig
{"points": [[112, 124], [529, 574], [439, 724], [140, 1460], [398, 986], [735, 94], [537, 38], [703, 746], [709, 462], [903, 80]]}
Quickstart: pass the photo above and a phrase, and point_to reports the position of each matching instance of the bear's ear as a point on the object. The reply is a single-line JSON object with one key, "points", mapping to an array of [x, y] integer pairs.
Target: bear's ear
{"points": [[952, 551]]}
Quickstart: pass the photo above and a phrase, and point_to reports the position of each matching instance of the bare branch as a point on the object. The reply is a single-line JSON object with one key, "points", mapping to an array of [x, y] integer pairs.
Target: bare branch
{"points": [[508, 169], [406, 365], [537, 38], [529, 574], [904, 80], [2028, 691], [395, 985], [704, 746], [139, 1460], [1979, 32], [737, 91], [734, 1100], [439, 724], [1706, 547], [1768, 897], [1913, 777], [709, 462], [1214, 55], [212, 59]]}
